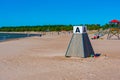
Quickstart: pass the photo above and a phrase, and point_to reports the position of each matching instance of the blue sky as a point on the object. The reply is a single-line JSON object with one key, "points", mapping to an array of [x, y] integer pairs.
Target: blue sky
{"points": [[43, 12]]}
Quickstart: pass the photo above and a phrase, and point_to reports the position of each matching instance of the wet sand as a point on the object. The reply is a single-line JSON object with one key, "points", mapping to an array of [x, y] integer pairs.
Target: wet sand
{"points": [[42, 58]]}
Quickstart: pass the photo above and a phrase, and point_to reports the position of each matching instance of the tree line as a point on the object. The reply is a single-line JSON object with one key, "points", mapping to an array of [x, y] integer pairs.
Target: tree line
{"points": [[47, 28]]}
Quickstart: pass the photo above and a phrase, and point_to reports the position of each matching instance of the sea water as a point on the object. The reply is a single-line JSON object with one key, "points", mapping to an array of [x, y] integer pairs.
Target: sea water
{"points": [[7, 36]]}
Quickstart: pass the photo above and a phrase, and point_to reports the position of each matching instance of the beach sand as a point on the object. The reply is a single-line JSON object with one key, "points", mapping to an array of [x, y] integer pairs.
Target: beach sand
{"points": [[42, 58]]}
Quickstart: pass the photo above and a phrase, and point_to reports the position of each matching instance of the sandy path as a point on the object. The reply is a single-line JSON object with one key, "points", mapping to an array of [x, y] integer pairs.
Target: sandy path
{"points": [[42, 58]]}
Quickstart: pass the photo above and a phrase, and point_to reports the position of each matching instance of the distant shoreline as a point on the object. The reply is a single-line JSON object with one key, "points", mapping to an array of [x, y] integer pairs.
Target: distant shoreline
{"points": [[23, 32], [6, 36]]}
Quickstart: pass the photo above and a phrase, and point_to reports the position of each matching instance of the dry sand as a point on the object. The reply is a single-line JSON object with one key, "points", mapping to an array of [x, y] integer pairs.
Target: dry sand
{"points": [[42, 58]]}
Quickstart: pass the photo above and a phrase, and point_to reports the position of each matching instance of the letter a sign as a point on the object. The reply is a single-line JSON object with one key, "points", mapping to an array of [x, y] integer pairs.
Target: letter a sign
{"points": [[79, 29]]}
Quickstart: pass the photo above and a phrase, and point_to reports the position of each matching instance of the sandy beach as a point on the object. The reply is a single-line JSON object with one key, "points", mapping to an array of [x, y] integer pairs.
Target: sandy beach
{"points": [[42, 58]]}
